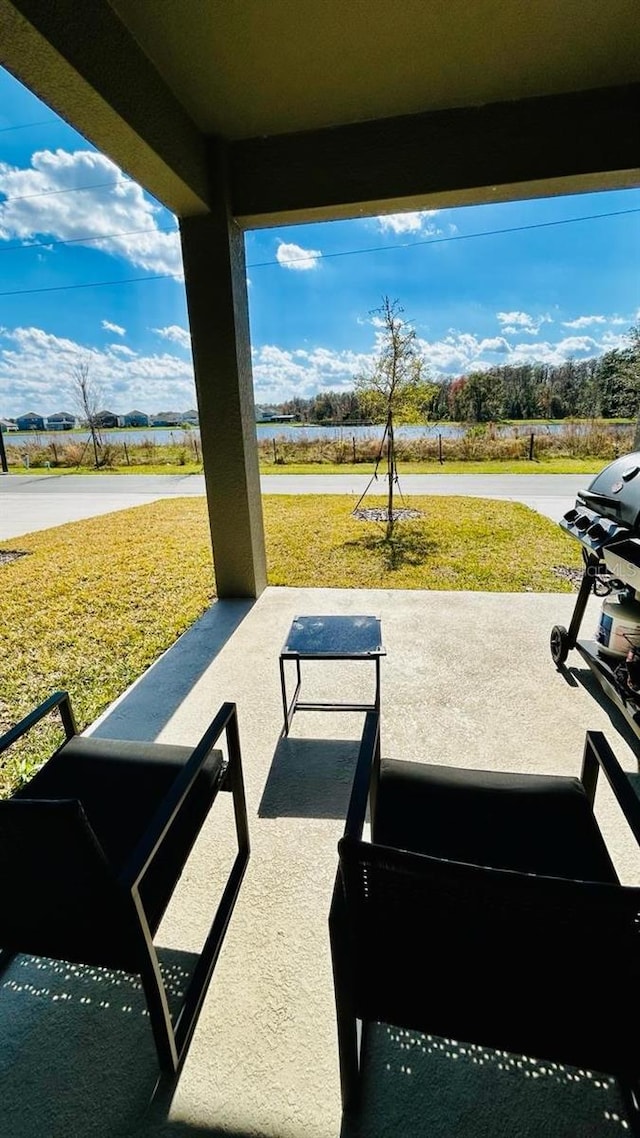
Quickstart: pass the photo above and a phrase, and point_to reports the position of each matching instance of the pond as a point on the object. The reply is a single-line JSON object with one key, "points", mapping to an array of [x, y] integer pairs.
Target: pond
{"points": [[178, 437]]}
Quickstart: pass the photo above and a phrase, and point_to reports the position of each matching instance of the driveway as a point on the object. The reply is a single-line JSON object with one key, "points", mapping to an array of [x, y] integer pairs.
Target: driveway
{"points": [[31, 502]]}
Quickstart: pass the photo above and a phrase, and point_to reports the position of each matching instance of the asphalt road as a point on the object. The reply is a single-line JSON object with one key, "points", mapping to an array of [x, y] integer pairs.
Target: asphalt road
{"points": [[31, 502]]}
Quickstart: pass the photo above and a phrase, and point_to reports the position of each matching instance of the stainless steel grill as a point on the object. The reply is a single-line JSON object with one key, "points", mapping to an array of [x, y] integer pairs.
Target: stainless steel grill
{"points": [[606, 522]]}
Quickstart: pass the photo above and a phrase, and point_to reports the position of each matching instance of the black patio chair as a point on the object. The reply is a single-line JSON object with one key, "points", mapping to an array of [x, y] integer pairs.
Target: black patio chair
{"points": [[91, 850], [487, 909]]}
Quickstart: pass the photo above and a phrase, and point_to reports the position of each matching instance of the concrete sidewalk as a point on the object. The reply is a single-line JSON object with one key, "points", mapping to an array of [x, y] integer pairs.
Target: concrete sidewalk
{"points": [[31, 502]]}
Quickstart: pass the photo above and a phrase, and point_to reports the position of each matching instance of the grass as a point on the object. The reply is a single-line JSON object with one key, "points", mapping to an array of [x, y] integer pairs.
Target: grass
{"points": [[457, 543], [96, 602], [517, 466]]}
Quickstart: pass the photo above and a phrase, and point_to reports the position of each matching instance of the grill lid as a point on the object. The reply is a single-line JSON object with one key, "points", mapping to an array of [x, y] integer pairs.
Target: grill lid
{"points": [[615, 491]]}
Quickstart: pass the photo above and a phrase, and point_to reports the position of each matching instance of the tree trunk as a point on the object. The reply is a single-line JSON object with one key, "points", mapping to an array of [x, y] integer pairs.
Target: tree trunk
{"points": [[391, 471]]}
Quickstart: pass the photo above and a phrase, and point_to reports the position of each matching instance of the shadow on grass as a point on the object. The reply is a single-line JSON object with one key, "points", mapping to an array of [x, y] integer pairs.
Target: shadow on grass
{"points": [[404, 547]]}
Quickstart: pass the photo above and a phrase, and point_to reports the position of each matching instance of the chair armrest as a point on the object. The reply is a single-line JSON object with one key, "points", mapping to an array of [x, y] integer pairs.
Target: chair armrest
{"points": [[58, 699], [365, 780], [151, 842], [598, 753]]}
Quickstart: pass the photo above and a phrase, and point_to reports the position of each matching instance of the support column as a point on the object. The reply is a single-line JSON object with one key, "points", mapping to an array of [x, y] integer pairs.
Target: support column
{"points": [[216, 286]]}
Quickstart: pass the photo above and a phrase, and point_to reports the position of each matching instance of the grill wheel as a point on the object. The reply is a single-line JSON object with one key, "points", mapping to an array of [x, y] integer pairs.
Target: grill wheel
{"points": [[559, 644]]}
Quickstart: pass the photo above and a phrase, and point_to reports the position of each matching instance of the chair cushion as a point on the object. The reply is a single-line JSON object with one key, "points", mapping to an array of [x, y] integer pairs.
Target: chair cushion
{"points": [[539, 824], [120, 785]]}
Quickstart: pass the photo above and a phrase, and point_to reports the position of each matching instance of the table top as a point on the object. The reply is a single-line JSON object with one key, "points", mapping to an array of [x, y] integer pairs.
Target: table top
{"points": [[340, 637]]}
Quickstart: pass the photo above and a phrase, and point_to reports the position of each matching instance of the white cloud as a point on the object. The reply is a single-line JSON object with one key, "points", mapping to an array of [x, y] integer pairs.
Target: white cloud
{"points": [[116, 328], [584, 321], [280, 374], [409, 222], [175, 334], [518, 322], [292, 256], [115, 210], [36, 369]]}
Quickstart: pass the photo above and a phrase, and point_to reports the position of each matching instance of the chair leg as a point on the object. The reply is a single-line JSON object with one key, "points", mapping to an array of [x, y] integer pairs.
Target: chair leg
{"points": [[348, 1051], [159, 1014], [347, 1023], [6, 956], [630, 1089]]}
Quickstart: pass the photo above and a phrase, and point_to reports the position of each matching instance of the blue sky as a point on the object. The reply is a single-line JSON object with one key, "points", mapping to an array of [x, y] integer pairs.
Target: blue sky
{"points": [[544, 293]]}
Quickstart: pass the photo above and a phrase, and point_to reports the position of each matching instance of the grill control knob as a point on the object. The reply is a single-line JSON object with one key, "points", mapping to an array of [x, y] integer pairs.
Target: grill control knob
{"points": [[583, 522], [597, 531]]}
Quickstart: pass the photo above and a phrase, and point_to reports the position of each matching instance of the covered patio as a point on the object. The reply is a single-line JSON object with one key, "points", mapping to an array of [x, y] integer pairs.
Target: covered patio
{"points": [[467, 680], [239, 115]]}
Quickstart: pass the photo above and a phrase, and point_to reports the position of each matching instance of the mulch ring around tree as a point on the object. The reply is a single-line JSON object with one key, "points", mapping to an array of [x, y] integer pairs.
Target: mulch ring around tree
{"points": [[7, 555], [381, 514]]}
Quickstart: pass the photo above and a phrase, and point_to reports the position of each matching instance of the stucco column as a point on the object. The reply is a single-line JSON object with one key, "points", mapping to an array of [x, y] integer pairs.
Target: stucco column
{"points": [[216, 286]]}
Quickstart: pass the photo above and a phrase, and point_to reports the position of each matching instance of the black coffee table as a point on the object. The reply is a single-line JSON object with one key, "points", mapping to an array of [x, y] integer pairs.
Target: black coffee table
{"points": [[330, 638]]}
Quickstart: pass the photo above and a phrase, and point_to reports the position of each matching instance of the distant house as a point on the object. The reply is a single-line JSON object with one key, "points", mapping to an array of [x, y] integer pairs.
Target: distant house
{"points": [[8, 425], [190, 417], [105, 419], [135, 419], [269, 415], [30, 422], [166, 419], [61, 421]]}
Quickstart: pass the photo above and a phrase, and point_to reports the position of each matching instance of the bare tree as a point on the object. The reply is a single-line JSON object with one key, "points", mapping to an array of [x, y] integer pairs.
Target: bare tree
{"points": [[396, 389], [87, 398]]}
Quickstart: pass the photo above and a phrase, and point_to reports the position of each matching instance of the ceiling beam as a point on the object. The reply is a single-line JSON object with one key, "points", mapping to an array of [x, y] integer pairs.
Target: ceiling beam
{"points": [[80, 59], [588, 140]]}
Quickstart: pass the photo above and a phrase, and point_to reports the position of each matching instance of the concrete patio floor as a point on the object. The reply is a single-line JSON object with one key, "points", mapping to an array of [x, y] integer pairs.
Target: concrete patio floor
{"points": [[467, 679]]}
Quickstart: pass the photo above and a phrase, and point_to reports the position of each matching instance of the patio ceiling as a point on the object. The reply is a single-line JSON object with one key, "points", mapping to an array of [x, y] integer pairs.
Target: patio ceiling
{"points": [[331, 109]]}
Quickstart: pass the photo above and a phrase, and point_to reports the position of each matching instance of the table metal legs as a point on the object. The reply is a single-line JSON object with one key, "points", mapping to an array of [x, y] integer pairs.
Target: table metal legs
{"points": [[289, 708]]}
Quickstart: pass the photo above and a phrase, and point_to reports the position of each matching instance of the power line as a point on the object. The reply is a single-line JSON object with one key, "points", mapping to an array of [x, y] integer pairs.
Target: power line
{"points": [[85, 240], [68, 190], [92, 284], [442, 240], [326, 256], [28, 125]]}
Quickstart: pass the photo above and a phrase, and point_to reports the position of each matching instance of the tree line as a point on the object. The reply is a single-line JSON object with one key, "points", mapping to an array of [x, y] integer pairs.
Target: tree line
{"points": [[605, 386]]}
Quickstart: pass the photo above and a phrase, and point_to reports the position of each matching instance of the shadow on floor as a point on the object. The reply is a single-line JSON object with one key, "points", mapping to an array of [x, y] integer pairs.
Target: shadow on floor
{"points": [[157, 695], [310, 778], [420, 1084], [588, 681], [77, 1056]]}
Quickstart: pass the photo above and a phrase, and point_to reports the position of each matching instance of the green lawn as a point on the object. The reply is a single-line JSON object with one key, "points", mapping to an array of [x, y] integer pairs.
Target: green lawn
{"points": [[493, 466], [96, 602], [523, 466]]}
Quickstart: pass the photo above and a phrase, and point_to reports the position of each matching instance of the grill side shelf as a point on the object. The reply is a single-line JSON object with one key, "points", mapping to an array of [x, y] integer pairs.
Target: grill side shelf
{"points": [[604, 673]]}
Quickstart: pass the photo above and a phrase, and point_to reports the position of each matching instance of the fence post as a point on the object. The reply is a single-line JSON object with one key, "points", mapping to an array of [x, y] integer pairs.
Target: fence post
{"points": [[354, 449], [126, 452], [275, 452], [531, 445], [3, 455], [440, 458]]}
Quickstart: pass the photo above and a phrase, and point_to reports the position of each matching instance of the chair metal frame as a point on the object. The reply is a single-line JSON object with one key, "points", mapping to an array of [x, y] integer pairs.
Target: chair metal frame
{"points": [[171, 1039], [350, 1029]]}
